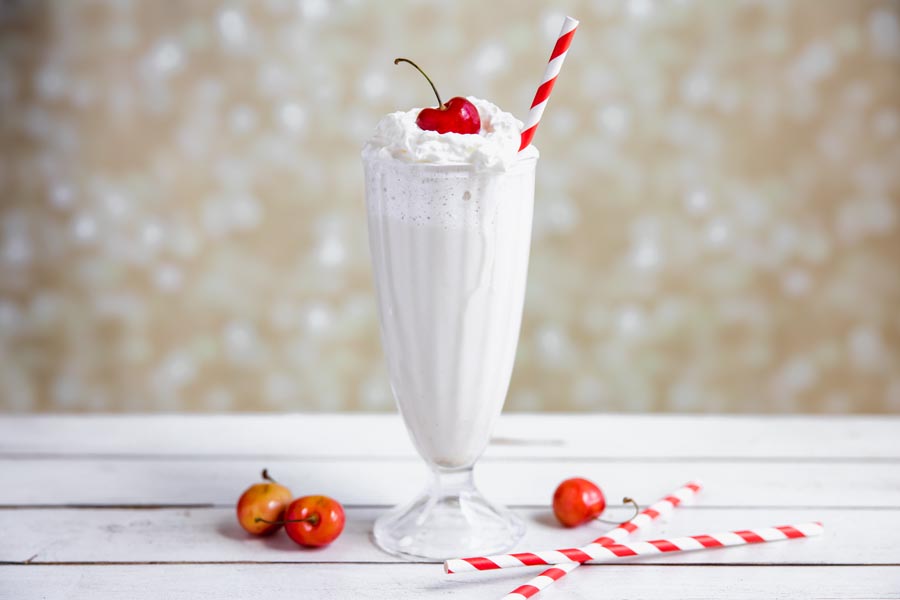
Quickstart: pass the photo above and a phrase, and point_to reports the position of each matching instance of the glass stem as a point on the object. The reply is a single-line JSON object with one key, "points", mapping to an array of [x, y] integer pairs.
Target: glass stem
{"points": [[452, 483]]}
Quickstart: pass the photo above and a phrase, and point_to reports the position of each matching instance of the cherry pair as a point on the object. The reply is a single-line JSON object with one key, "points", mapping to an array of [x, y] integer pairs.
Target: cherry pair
{"points": [[310, 521]]}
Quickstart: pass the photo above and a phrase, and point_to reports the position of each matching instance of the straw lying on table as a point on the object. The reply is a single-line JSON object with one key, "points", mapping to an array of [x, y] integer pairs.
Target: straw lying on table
{"points": [[527, 559], [600, 553], [642, 520]]}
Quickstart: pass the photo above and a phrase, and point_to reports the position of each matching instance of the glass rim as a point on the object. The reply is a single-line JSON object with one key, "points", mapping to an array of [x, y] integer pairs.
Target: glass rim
{"points": [[519, 164]]}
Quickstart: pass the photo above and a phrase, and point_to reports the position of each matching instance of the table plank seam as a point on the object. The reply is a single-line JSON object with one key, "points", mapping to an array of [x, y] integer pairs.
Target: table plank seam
{"points": [[216, 506], [426, 564], [75, 456]]}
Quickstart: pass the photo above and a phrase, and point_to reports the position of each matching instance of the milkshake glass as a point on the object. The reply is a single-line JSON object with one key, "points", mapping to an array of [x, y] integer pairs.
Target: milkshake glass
{"points": [[449, 246]]}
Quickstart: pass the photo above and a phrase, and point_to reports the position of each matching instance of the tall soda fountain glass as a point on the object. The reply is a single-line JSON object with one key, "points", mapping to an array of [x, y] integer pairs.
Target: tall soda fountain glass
{"points": [[449, 246]]}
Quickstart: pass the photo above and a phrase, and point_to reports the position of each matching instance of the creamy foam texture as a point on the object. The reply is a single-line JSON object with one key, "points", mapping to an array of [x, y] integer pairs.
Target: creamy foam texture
{"points": [[496, 147]]}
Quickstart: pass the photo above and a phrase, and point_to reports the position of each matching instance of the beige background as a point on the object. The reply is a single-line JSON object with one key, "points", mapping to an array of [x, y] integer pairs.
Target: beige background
{"points": [[182, 219]]}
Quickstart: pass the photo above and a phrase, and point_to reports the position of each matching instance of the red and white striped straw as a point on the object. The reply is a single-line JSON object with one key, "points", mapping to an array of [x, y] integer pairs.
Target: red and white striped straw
{"points": [[557, 57], [642, 520], [595, 553]]}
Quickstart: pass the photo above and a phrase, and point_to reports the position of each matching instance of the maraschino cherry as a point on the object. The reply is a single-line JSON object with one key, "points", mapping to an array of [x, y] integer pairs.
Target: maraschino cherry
{"points": [[458, 115]]}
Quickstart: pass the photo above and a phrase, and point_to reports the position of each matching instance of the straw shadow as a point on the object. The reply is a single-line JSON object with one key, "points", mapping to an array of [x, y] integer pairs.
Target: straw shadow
{"points": [[446, 583]]}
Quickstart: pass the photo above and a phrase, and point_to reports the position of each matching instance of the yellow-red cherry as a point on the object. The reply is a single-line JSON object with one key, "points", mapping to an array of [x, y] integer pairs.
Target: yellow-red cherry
{"points": [[261, 507]]}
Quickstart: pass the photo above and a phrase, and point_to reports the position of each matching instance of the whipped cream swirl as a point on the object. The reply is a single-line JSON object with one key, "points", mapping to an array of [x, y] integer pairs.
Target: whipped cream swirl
{"points": [[496, 147]]}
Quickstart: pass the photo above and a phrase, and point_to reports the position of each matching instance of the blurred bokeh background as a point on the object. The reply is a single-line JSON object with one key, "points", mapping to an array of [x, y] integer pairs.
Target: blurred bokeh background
{"points": [[182, 218]]}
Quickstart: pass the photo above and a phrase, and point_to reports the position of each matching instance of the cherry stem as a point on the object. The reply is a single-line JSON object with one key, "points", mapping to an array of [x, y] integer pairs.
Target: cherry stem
{"points": [[625, 500], [312, 519], [397, 61], [265, 475]]}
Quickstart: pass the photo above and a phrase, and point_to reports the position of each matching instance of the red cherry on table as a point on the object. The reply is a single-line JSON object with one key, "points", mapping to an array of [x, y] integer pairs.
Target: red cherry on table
{"points": [[458, 115], [314, 520], [262, 505], [577, 501]]}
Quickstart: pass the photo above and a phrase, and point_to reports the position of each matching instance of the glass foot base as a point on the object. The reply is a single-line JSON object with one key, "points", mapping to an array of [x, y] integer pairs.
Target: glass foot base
{"points": [[450, 520]]}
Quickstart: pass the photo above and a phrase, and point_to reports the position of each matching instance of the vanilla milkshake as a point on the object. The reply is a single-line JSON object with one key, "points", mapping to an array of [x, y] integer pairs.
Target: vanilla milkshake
{"points": [[449, 234], [449, 220]]}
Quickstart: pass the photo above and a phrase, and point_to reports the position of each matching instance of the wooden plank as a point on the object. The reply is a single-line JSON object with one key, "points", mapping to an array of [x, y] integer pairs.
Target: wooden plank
{"points": [[410, 581], [853, 536], [385, 482], [517, 435]]}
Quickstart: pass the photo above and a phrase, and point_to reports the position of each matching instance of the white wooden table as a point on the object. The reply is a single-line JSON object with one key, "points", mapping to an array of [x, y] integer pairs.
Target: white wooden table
{"points": [[141, 507]]}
